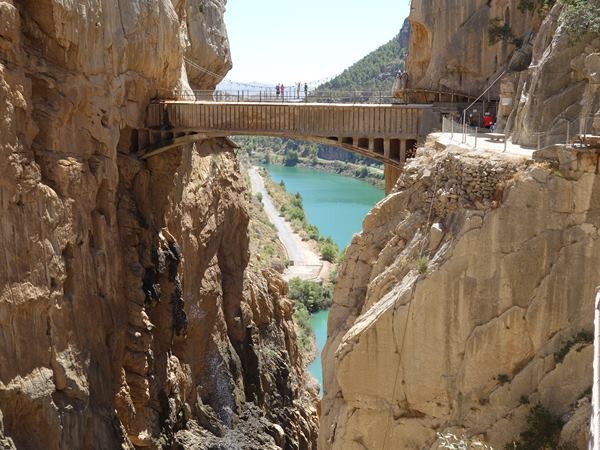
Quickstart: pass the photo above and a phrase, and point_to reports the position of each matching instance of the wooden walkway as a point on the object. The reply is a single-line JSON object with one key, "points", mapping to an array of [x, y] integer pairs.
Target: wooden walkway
{"points": [[384, 132]]}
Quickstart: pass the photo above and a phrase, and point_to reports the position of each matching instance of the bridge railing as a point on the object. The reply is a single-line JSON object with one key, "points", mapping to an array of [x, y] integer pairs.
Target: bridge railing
{"points": [[580, 131], [294, 95], [268, 95]]}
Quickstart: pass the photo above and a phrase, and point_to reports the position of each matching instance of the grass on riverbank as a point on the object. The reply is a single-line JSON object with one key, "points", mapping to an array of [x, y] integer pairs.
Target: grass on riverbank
{"points": [[266, 251], [291, 208], [314, 296], [309, 297], [305, 333]]}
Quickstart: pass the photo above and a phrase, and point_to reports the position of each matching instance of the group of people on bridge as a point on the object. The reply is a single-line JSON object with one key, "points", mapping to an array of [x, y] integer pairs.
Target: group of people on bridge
{"points": [[280, 90]]}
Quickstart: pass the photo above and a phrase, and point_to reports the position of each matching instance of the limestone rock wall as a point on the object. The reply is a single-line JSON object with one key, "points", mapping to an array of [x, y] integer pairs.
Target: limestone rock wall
{"points": [[559, 93], [551, 85], [128, 317], [449, 42], [466, 300]]}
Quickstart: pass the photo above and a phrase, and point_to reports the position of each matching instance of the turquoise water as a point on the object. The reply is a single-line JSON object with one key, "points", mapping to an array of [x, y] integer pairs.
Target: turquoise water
{"points": [[318, 322], [337, 205]]}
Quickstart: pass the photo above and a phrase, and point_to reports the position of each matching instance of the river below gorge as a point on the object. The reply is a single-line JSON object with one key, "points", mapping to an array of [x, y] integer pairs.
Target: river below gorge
{"points": [[337, 205]]}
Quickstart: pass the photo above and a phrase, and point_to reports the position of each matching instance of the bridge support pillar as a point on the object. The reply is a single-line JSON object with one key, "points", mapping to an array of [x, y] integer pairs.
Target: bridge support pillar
{"points": [[402, 151], [391, 175], [371, 144]]}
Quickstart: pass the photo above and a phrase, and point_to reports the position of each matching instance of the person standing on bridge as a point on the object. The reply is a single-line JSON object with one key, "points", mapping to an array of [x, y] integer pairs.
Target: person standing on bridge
{"points": [[298, 90], [305, 91], [282, 89], [277, 91]]}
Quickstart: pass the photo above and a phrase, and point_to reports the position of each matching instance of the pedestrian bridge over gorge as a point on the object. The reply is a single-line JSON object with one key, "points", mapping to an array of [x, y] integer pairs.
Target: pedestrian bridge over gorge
{"points": [[387, 133]]}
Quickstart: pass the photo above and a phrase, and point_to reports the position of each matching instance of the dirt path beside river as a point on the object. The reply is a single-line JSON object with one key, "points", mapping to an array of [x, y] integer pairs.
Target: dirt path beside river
{"points": [[307, 262]]}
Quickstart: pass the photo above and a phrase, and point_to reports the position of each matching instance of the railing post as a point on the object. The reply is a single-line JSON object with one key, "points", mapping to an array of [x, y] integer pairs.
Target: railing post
{"points": [[238, 96]]}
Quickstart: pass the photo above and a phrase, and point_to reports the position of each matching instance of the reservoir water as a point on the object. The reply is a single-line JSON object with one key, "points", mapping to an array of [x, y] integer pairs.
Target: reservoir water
{"points": [[337, 205]]}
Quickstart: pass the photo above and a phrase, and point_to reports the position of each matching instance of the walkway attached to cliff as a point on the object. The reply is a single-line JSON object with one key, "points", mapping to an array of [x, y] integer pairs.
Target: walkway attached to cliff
{"points": [[480, 139], [483, 143], [307, 263]]}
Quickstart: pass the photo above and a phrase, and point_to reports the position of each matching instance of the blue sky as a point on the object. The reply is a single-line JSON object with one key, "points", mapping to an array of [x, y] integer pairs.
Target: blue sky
{"points": [[286, 41]]}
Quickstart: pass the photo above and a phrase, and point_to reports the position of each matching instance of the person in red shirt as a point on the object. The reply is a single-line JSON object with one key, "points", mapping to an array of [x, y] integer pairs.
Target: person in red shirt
{"points": [[487, 120]]}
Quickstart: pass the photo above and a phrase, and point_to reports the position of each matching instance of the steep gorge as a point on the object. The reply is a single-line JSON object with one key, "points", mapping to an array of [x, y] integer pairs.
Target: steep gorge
{"points": [[129, 316]]}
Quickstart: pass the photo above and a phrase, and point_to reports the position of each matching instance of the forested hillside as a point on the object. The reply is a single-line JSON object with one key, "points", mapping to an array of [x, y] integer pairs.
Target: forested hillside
{"points": [[376, 71]]}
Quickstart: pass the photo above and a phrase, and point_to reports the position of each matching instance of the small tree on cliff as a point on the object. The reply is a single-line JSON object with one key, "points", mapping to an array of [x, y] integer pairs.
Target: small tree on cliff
{"points": [[581, 16], [498, 30]]}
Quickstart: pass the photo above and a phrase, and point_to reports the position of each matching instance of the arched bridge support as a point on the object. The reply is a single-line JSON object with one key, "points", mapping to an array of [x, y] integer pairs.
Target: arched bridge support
{"points": [[387, 133]]}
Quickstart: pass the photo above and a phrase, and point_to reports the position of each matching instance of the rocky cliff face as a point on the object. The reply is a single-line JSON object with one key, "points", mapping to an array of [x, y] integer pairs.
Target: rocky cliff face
{"points": [[558, 95], [466, 300], [127, 316], [550, 87], [449, 42]]}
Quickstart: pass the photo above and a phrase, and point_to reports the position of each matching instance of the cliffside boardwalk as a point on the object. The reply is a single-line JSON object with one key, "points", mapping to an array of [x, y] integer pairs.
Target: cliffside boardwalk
{"points": [[388, 133]]}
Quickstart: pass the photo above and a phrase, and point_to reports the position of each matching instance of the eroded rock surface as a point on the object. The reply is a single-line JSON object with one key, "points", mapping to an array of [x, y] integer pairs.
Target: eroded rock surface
{"points": [[462, 304], [127, 316]]}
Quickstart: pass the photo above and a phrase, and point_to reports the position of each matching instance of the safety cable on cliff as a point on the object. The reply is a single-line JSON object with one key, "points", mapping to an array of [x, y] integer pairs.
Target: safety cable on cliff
{"points": [[428, 224], [481, 95], [387, 428], [203, 70]]}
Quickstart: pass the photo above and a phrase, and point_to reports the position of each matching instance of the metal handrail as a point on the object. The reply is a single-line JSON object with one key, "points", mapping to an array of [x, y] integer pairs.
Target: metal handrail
{"points": [[269, 95], [480, 96], [291, 94], [575, 131]]}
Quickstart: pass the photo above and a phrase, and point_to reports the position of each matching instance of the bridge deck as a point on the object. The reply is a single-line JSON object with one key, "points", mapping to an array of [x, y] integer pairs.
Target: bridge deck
{"points": [[385, 132]]}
